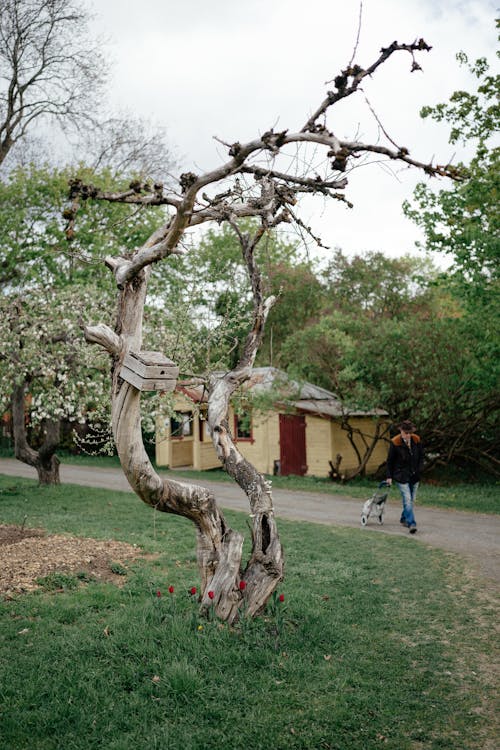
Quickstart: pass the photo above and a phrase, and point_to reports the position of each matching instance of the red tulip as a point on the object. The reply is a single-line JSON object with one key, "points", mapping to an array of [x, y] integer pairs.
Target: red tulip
{"points": [[192, 590], [170, 589], [281, 597], [211, 594], [243, 585], [158, 593]]}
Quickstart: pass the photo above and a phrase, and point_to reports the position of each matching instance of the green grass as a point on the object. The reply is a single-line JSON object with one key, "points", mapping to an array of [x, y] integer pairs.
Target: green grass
{"points": [[381, 642]]}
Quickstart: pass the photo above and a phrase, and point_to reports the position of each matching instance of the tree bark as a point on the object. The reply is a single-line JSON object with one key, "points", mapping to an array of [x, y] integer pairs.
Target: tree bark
{"points": [[269, 199], [45, 460], [219, 548], [369, 443]]}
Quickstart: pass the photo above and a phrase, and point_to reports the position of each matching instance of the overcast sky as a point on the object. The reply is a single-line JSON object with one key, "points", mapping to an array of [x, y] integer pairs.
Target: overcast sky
{"points": [[235, 68]]}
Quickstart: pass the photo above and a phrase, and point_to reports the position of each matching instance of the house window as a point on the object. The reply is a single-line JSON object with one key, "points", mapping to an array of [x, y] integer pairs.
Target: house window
{"points": [[243, 426], [181, 426]]}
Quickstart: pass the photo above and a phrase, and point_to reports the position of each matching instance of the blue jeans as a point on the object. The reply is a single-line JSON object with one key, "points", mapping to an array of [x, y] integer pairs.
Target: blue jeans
{"points": [[408, 495]]}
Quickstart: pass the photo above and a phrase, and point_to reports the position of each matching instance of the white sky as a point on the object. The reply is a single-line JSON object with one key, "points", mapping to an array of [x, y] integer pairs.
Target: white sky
{"points": [[235, 68]]}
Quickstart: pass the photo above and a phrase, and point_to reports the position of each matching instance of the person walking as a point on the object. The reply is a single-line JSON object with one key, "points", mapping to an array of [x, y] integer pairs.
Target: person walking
{"points": [[404, 466]]}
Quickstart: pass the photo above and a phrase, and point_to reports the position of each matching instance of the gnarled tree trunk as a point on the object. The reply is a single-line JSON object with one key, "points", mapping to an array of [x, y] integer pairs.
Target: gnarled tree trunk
{"points": [[249, 183], [219, 548], [44, 460]]}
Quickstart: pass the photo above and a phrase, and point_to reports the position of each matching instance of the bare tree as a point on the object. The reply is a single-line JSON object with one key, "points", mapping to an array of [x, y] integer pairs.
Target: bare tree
{"points": [[253, 183], [49, 66], [131, 145]]}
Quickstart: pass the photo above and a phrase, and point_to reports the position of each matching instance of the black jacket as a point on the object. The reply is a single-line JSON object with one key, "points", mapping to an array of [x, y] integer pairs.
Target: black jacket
{"points": [[405, 464]]}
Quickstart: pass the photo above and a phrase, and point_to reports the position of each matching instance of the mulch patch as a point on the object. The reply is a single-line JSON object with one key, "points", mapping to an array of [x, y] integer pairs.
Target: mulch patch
{"points": [[30, 554]]}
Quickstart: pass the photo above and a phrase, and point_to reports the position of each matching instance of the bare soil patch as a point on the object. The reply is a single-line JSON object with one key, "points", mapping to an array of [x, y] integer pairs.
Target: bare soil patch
{"points": [[30, 554]]}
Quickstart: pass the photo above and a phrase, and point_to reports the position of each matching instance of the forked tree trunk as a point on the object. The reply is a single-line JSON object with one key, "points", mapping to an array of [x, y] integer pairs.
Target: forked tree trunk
{"points": [[363, 455], [219, 548], [44, 460], [200, 201]]}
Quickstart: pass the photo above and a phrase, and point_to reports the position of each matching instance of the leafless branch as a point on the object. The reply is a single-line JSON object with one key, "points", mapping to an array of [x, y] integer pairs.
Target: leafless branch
{"points": [[358, 34], [274, 192], [347, 82], [384, 131]]}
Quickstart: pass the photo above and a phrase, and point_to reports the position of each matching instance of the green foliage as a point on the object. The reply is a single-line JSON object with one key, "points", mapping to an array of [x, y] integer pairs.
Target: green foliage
{"points": [[300, 299], [51, 286], [390, 639], [395, 336], [118, 569], [209, 296], [471, 115], [464, 222], [57, 582], [377, 285], [208, 288], [362, 296], [34, 212]]}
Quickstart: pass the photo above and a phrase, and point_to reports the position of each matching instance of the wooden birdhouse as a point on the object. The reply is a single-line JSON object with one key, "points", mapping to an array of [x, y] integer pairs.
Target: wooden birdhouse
{"points": [[149, 371]]}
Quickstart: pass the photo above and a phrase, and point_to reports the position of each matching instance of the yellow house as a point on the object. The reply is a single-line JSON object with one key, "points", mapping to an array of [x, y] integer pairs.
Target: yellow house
{"points": [[300, 433]]}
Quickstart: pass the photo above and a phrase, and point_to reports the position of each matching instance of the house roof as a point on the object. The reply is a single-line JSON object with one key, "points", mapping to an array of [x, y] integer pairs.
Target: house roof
{"points": [[305, 397]]}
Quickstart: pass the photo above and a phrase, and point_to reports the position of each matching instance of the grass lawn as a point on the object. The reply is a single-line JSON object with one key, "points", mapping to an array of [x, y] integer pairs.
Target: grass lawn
{"points": [[380, 643]]}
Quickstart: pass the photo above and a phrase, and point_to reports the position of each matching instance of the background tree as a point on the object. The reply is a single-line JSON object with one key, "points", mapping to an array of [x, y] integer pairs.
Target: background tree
{"points": [[252, 182], [362, 296], [464, 223], [49, 67], [47, 286], [300, 298], [48, 376], [409, 348], [51, 70], [378, 285], [209, 284]]}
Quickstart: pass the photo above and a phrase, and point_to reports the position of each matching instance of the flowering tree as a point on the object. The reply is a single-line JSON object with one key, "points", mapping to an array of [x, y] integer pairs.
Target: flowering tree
{"points": [[252, 183], [47, 287], [49, 377]]}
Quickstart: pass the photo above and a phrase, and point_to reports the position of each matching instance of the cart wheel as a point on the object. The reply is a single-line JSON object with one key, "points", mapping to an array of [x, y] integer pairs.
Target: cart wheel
{"points": [[363, 519]]}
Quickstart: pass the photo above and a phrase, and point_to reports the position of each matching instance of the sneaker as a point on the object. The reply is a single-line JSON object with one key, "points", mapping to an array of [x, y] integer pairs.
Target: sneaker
{"points": [[413, 529]]}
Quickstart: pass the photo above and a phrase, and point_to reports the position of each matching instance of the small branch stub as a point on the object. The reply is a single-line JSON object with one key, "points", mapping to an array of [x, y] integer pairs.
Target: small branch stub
{"points": [[149, 371]]}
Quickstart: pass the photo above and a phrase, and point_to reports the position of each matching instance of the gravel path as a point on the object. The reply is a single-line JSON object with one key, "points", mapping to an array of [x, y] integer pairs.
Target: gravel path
{"points": [[472, 535]]}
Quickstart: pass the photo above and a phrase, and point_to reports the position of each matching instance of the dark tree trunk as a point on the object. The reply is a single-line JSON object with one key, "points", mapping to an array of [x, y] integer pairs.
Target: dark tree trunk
{"points": [[368, 441], [44, 460]]}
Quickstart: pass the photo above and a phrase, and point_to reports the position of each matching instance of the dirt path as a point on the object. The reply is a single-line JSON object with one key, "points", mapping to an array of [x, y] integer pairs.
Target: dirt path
{"points": [[472, 535]]}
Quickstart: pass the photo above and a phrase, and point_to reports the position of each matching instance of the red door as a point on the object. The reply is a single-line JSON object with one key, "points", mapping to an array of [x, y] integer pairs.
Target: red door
{"points": [[292, 445]]}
